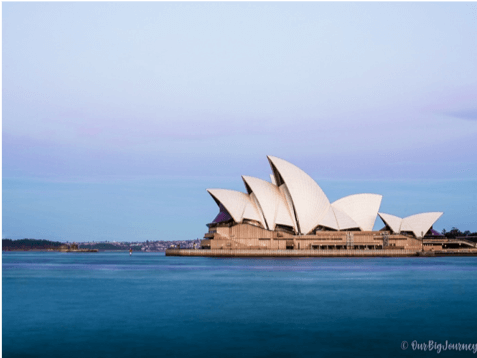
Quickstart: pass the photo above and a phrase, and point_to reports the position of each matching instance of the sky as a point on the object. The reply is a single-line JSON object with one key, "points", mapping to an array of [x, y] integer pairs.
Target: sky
{"points": [[118, 116]]}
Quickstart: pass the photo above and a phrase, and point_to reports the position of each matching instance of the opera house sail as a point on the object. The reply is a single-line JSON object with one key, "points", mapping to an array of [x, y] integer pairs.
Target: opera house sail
{"points": [[292, 212]]}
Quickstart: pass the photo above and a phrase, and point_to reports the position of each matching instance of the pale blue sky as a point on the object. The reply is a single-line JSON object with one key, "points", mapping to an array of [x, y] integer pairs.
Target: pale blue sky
{"points": [[118, 116]]}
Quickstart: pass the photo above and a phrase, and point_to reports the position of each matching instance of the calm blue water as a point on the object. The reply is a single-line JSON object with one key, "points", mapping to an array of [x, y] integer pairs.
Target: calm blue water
{"points": [[149, 305]]}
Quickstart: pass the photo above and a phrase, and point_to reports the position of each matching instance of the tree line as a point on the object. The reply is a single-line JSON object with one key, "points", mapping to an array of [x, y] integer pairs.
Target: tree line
{"points": [[29, 244], [455, 232]]}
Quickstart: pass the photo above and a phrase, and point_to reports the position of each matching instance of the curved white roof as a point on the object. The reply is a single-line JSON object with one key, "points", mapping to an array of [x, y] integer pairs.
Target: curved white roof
{"points": [[309, 201], [272, 179], [294, 199], [392, 221], [286, 213], [338, 220], [329, 220], [256, 208], [239, 205], [344, 220], [420, 224], [362, 208], [271, 202]]}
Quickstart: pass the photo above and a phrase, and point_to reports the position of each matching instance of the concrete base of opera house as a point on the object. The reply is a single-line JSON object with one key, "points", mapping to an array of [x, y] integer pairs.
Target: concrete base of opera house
{"points": [[317, 253]]}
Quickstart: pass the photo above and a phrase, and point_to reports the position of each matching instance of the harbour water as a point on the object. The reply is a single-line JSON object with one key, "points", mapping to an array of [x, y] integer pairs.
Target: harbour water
{"points": [[110, 304]]}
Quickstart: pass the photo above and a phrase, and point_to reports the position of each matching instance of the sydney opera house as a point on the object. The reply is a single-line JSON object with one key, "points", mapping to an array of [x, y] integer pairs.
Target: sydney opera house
{"points": [[291, 212]]}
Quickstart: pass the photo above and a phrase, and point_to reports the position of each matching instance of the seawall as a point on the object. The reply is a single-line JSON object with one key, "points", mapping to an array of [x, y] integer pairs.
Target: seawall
{"points": [[292, 253], [319, 253]]}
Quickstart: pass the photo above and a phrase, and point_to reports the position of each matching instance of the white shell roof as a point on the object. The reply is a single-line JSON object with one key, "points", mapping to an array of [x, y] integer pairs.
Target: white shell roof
{"points": [[418, 224], [272, 179], [286, 211], [271, 202], [294, 199], [344, 220], [362, 208], [239, 205], [392, 221], [338, 220], [253, 212], [309, 200], [329, 220]]}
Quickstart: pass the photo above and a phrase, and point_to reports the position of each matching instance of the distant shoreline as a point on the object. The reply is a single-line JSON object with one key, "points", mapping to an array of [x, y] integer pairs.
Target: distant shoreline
{"points": [[54, 250], [146, 246]]}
